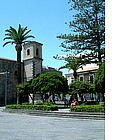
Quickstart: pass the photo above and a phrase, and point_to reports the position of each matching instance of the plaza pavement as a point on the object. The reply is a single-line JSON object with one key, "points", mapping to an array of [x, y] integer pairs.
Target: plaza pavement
{"points": [[62, 113], [15, 126]]}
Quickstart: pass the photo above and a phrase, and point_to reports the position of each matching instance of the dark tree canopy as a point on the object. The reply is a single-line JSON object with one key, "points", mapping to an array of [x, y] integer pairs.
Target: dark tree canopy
{"points": [[99, 81], [88, 30], [79, 87], [50, 82], [24, 88], [72, 63], [17, 37]]}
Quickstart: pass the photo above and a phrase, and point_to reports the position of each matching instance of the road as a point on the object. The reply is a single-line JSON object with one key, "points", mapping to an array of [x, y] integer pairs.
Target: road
{"points": [[27, 127]]}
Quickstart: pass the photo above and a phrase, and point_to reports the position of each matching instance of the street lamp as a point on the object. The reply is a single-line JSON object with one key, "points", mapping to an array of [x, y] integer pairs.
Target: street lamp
{"points": [[5, 73]]}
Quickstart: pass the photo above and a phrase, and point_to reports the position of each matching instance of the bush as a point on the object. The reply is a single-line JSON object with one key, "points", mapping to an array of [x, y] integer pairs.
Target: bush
{"points": [[38, 102], [48, 103], [88, 108], [33, 107]]}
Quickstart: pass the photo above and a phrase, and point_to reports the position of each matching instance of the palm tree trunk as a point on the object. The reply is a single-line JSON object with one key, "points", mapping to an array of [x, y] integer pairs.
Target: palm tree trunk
{"points": [[18, 49], [18, 67]]}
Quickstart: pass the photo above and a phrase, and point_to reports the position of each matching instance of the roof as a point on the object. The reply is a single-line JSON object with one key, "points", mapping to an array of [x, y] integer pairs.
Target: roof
{"points": [[7, 59], [88, 67], [34, 42]]}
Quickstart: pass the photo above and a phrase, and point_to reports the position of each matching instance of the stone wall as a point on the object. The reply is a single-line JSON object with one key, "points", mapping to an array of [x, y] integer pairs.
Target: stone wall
{"points": [[11, 67], [28, 71]]}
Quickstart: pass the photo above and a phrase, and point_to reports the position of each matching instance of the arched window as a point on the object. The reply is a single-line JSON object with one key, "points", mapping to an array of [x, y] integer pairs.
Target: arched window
{"points": [[37, 51], [28, 52]]}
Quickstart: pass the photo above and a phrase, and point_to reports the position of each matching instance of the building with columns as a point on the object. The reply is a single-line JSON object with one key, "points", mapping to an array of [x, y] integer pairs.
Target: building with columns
{"points": [[30, 67]]}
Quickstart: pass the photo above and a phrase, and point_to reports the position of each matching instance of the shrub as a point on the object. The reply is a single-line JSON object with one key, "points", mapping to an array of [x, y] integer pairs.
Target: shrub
{"points": [[38, 102], [33, 107], [88, 108], [48, 103]]}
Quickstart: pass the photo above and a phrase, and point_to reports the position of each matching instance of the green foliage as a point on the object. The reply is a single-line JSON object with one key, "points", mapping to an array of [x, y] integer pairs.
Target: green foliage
{"points": [[72, 63], [49, 82], [88, 108], [79, 87], [38, 102], [24, 88], [48, 103], [33, 107], [99, 80], [88, 30], [17, 37]]}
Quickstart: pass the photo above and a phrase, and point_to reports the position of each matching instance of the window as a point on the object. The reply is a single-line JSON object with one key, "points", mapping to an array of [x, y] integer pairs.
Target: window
{"points": [[91, 79], [72, 80], [81, 78], [37, 51], [28, 51]]}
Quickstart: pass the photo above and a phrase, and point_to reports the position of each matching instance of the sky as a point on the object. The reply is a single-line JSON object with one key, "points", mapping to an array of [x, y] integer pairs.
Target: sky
{"points": [[45, 18]]}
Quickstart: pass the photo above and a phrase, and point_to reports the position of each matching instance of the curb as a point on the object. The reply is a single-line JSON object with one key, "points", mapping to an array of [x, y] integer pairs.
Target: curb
{"points": [[78, 115]]}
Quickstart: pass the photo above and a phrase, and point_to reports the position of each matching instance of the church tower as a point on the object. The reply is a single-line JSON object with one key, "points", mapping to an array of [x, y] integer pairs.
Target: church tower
{"points": [[32, 59]]}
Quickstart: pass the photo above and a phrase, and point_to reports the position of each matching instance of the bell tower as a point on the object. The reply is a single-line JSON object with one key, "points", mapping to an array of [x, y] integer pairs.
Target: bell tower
{"points": [[32, 59]]}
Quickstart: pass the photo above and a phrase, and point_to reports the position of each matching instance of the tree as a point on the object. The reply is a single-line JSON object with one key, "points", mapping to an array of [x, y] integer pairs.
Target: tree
{"points": [[88, 30], [51, 82], [18, 38], [99, 81], [79, 87], [73, 63], [24, 89]]}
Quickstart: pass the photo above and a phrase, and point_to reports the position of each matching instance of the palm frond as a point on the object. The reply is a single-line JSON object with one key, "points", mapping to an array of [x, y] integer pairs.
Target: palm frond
{"points": [[19, 31], [24, 29], [28, 36], [63, 67], [13, 31], [8, 37], [8, 34], [7, 43], [17, 37], [25, 33]]}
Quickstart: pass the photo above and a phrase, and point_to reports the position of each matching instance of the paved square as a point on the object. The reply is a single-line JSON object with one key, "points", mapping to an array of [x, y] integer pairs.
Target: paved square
{"points": [[27, 127]]}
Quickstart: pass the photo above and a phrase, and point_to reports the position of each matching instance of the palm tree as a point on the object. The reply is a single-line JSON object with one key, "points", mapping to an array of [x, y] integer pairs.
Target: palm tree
{"points": [[73, 63], [18, 38]]}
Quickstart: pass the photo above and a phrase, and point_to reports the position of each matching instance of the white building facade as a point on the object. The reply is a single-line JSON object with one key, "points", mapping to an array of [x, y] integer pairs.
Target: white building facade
{"points": [[87, 73]]}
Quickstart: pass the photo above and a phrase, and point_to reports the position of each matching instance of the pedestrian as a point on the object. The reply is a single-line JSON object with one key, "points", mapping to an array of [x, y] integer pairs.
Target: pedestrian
{"points": [[70, 101], [74, 103], [65, 102]]}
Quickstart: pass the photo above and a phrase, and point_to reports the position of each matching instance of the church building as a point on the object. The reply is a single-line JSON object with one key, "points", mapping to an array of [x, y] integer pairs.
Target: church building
{"points": [[31, 66]]}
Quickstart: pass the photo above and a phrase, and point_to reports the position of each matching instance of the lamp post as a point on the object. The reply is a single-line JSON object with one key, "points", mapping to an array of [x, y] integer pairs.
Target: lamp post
{"points": [[5, 73]]}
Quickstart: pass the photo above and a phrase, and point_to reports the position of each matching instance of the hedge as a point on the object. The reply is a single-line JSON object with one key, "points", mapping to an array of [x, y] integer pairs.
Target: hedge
{"points": [[88, 108], [33, 107]]}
